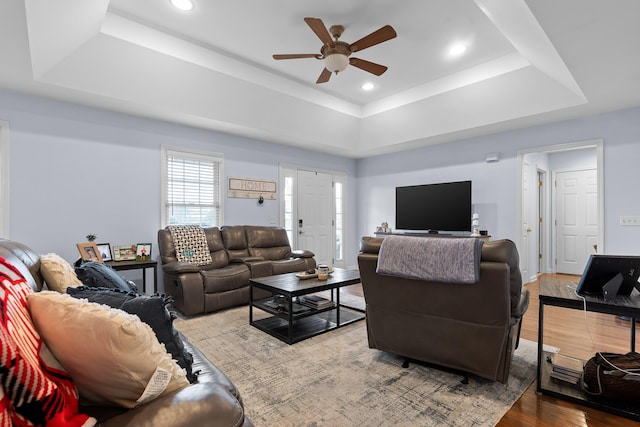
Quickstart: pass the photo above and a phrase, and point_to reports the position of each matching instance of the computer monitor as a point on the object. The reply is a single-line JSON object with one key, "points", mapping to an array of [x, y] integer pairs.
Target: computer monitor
{"points": [[608, 276]]}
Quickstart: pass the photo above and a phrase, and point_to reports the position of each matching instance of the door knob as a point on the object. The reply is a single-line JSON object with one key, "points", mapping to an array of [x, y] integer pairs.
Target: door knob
{"points": [[528, 230], [300, 232]]}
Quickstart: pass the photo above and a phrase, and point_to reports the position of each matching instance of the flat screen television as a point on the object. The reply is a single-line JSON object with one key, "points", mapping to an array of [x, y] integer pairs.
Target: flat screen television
{"points": [[439, 207], [607, 276]]}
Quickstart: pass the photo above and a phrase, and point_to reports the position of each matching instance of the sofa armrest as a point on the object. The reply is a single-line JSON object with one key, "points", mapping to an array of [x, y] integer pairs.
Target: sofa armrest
{"points": [[178, 267], [302, 254], [195, 405]]}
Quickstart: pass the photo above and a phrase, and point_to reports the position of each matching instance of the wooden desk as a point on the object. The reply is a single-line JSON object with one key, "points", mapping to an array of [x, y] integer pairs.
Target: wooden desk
{"points": [[138, 265]]}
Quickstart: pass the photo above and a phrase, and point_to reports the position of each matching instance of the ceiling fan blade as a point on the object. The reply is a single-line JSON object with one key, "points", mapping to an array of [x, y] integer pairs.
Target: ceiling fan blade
{"points": [[382, 35], [324, 76], [295, 55], [370, 67], [318, 27]]}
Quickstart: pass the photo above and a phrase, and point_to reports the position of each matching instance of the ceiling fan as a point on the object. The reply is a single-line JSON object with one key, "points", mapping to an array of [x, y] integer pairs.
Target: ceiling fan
{"points": [[335, 53]]}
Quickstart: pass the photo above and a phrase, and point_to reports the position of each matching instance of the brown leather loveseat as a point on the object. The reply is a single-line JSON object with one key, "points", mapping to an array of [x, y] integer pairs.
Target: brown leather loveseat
{"points": [[473, 328], [238, 253]]}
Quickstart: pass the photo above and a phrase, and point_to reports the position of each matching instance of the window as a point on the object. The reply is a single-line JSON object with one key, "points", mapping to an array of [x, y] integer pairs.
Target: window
{"points": [[288, 207], [192, 190], [339, 220]]}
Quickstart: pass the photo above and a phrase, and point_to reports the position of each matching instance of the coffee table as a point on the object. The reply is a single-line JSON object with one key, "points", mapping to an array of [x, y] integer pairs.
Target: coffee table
{"points": [[291, 321]]}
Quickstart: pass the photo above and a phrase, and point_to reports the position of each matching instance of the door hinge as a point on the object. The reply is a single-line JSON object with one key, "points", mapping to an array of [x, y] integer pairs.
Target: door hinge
{"points": [[540, 220], [539, 183]]}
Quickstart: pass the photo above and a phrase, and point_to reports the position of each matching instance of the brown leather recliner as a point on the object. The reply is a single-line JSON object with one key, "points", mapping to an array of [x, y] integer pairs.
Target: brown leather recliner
{"points": [[239, 253], [473, 328]]}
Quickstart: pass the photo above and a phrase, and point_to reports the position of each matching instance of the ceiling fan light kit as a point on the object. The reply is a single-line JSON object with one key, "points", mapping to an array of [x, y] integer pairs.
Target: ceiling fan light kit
{"points": [[336, 53]]}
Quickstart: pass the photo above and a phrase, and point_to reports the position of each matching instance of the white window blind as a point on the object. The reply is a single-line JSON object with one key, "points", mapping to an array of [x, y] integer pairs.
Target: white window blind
{"points": [[193, 190]]}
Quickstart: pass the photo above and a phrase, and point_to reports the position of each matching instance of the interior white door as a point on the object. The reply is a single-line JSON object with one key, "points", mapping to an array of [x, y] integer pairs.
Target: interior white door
{"points": [[315, 215], [577, 219]]}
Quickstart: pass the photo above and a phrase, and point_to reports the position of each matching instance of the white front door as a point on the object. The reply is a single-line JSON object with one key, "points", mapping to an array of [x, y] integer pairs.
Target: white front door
{"points": [[577, 219], [315, 215]]}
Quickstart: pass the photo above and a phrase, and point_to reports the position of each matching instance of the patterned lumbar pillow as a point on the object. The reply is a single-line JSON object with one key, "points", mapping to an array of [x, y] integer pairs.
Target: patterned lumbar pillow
{"points": [[58, 274], [112, 355], [35, 390]]}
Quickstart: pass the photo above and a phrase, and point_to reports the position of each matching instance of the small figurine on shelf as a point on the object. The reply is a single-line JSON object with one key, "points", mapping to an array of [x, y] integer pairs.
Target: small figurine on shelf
{"points": [[384, 228], [475, 223]]}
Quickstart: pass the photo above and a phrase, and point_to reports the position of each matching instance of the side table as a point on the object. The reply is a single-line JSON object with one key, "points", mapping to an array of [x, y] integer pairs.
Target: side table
{"points": [[556, 293], [138, 265]]}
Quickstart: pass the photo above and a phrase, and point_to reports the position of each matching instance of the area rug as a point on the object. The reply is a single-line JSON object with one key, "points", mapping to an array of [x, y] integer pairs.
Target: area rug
{"points": [[335, 380]]}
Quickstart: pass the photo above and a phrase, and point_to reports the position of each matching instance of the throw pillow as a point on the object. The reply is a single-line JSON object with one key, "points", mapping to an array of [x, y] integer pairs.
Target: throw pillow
{"points": [[112, 355], [58, 274], [34, 389], [100, 275], [150, 309]]}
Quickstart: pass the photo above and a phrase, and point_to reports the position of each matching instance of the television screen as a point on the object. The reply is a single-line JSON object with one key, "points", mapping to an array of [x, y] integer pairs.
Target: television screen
{"points": [[609, 275], [434, 207]]}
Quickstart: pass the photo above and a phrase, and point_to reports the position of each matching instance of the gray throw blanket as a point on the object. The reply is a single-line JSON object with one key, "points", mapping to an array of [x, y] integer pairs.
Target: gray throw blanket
{"points": [[191, 244], [436, 259]]}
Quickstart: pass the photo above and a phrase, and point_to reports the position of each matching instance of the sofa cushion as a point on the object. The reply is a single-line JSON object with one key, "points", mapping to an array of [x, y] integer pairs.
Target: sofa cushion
{"points": [[150, 309], [58, 273], [111, 355], [99, 275], [233, 276], [34, 388], [271, 243]]}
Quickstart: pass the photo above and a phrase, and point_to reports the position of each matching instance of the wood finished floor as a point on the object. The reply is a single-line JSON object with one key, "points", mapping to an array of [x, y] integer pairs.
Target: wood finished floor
{"points": [[565, 329]]}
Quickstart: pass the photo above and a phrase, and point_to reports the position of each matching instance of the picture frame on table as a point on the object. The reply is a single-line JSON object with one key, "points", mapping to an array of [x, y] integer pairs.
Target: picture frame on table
{"points": [[143, 252], [89, 251], [124, 253], [104, 249]]}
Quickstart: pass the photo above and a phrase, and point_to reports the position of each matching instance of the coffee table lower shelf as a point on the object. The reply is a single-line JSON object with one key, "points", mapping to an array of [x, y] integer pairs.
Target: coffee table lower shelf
{"points": [[306, 327]]}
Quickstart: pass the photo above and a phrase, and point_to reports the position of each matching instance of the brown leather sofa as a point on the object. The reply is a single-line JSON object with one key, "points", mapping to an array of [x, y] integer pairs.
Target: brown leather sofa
{"points": [[213, 400], [239, 253], [472, 328]]}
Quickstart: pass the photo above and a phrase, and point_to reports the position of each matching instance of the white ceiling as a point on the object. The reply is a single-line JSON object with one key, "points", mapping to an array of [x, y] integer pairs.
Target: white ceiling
{"points": [[527, 62]]}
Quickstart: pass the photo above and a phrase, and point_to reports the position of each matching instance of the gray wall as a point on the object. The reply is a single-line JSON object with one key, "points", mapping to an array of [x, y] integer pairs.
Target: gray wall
{"points": [[494, 184], [77, 170]]}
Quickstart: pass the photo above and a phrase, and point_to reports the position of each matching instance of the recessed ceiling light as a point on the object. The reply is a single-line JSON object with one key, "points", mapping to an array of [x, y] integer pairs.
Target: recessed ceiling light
{"points": [[367, 86], [457, 49], [182, 4]]}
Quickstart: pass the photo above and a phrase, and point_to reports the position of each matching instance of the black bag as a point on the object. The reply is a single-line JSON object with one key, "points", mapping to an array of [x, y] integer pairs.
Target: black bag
{"points": [[613, 375]]}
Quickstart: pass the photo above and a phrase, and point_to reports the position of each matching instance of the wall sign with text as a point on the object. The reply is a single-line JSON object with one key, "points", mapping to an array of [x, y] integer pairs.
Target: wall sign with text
{"points": [[248, 188]]}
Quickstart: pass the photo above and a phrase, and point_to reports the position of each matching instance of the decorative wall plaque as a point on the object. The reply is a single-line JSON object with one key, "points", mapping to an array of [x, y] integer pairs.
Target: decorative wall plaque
{"points": [[248, 188]]}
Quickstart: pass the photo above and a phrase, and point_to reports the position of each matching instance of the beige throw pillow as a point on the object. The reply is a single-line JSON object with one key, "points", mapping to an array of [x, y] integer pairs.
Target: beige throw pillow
{"points": [[58, 274], [110, 354]]}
